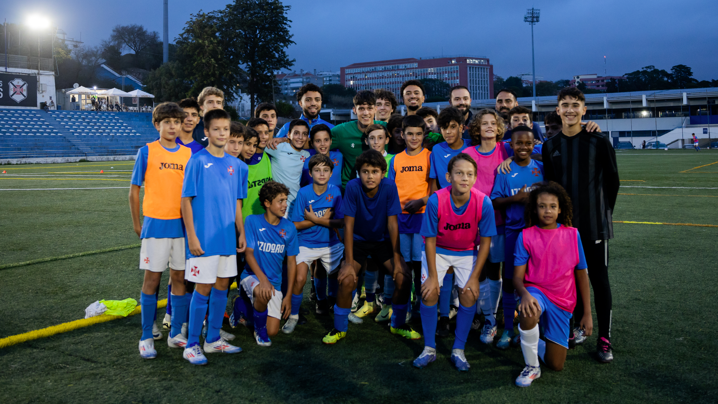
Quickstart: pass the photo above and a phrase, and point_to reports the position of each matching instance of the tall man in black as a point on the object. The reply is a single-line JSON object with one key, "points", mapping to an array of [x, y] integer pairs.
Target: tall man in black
{"points": [[585, 165]]}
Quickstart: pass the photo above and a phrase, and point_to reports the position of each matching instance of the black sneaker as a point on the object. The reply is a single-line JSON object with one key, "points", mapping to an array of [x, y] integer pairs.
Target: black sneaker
{"points": [[477, 323], [605, 350], [322, 308], [313, 293], [442, 329], [331, 301]]}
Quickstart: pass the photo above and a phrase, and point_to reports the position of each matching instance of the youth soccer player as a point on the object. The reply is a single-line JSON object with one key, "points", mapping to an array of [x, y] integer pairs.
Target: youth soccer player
{"points": [[264, 135], [410, 170], [370, 207], [385, 105], [268, 112], [377, 138], [413, 95], [584, 164], [260, 172], [191, 119], [487, 130], [316, 213], [270, 238], [309, 98], [210, 98], [288, 159], [552, 123], [396, 143], [510, 195], [235, 143], [430, 117], [550, 264], [211, 211], [320, 138], [160, 165], [451, 124], [458, 218], [249, 147], [519, 115]]}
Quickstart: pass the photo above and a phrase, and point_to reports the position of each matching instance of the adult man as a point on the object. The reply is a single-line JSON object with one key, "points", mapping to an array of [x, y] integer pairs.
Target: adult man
{"points": [[309, 98], [413, 95], [460, 98], [505, 100], [385, 104]]}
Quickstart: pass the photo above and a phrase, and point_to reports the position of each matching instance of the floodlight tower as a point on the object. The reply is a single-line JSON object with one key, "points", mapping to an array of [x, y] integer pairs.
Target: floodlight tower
{"points": [[165, 40], [532, 17]]}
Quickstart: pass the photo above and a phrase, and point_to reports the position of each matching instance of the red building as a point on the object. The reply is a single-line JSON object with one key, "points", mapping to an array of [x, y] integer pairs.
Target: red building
{"points": [[477, 74]]}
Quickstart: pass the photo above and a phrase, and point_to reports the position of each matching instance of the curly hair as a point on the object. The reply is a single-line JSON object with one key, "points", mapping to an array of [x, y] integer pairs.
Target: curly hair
{"points": [[564, 203], [475, 126], [271, 190]]}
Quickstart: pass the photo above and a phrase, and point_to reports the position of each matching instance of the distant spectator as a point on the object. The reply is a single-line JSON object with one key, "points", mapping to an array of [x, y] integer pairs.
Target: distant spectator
{"points": [[51, 105], [643, 146]]}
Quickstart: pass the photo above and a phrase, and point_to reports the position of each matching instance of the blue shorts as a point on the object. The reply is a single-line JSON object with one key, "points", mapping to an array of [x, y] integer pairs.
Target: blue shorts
{"points": [[554, 321], [509, 249], [496, 252], [410, 246]]}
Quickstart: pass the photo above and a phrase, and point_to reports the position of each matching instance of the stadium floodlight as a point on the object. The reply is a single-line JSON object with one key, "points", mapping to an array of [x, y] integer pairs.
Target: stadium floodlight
{"points": [[38, 22], [532, 17]]}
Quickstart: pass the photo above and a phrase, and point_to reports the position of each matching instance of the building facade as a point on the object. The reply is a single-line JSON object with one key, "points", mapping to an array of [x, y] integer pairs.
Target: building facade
{"points": [[290, 83], [477, 74], [594, 81]]}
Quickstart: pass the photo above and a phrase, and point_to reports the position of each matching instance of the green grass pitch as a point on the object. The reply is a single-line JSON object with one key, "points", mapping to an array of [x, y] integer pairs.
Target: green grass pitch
{"points": [[662, 277]]}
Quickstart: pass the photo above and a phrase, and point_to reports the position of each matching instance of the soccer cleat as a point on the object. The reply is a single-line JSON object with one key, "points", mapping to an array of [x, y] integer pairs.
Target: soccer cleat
{"points": [[458, 359], [426, 357], [156, 333], [453, 312], [477, 323], [405, 331], [167, 322], [322, 308], [221, 346], [579, 337], [147, 349], [195, 355], [262, 338], [225, 335], [442, 329], [354, 319], [605, 350], [367, 309], [506, 340], [528, 375], [355, 303], [384, 314], [179, 341], [289, 325], [333, 336], [488, 332]]}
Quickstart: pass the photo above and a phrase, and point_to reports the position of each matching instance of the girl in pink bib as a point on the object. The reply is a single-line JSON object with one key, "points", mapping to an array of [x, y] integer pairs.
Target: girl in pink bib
{"points": [[549, 263]]}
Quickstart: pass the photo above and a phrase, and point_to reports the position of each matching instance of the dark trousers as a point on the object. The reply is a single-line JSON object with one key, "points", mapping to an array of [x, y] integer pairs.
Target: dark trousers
{"points": [[597, 260]]}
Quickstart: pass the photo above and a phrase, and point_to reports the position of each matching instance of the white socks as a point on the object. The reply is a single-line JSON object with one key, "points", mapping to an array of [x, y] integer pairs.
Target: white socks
{"points": [[530, 344], [495, 289]]}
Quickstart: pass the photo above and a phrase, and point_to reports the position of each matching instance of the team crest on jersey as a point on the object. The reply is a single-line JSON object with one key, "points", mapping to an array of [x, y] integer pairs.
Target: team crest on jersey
{"points": [[303, 158], [194, 271], [230, 170], [147, 260], [330, 197], [282, 233], [18, 90], [536, 172], [336, 162]]}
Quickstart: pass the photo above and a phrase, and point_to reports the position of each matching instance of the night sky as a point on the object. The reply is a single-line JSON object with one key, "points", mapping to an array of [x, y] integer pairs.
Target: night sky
{"points": [[571, 38]]}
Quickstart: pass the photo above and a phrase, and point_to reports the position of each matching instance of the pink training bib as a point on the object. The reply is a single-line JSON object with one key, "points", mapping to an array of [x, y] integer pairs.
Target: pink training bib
{"points": [[486, 171], [553, 259], [459, 232]]}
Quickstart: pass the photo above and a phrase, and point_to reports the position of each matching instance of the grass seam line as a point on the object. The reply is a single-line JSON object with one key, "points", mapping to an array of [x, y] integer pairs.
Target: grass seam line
{"points": [[74, 325], [64, 257], [666, 224], [694, 168]]}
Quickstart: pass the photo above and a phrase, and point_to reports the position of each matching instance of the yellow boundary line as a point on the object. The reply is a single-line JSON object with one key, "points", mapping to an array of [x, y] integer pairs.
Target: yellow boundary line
{"points": [[62, 179], [695, 196], [73, 325], [704, 165], [667, 224], [65, 257], [79, 165]]}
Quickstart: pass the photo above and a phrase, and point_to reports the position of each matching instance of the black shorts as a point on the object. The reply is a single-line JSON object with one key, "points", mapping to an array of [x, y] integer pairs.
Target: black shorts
{"points": [[379, 251]]}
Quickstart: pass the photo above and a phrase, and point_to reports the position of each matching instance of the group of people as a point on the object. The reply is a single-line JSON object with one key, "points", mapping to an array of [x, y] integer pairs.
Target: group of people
{"points": [[461, 212]]}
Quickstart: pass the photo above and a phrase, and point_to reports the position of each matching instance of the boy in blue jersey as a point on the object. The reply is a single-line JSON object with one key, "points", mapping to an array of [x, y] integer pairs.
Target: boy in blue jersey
{"points": [[235, 143], [320, 138], [288, 159], [214, 185], [451, 126], [511, 193], [370, 208], [316, 213], [270, 238], [160, 165]]}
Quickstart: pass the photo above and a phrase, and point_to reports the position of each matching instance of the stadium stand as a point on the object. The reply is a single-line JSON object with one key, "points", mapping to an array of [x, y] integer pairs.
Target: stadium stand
{"points": [[30, 133]]}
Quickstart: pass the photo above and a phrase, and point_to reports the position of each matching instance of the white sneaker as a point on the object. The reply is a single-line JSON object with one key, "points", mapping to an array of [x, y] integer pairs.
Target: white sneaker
{"points": [[261, 341], [488, 332], [290, 324], [225, 335], [179, 341], [167, 322], [194, 355], [220, 346], [147, 349], [156, 333], [528, 375], [355, 319]]}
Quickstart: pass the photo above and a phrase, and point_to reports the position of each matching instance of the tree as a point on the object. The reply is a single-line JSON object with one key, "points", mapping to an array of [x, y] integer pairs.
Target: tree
{"points": [[168, 83], [255, 35], [516, 84], [284, 109], [546, 88], [134, 37], [682, 76], [499, 83], [436, 90], [648, 78], [338, 96]]}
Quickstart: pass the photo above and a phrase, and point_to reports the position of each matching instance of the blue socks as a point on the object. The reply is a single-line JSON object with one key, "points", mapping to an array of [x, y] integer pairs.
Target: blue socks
{"points": [[464, 318], [389, 287], [341, 318], [320, 285], [428, 322], [370, 280], [370, 297], [509, 309], [445, 295], [181, 307], [217, 305], [333, 286], [398, 317], [169, 300], [260, 322], [197, 310], [296, 302], [149, 310]]}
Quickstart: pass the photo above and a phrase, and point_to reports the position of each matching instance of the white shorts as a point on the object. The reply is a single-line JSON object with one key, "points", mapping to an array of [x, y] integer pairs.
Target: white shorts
{"points": [[206, 270], [463, 267], [274, 307], [331, 257], [496, 252], [157, 253]]}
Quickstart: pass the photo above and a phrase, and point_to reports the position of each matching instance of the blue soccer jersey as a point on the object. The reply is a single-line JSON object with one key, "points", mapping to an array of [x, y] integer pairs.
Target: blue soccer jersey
{"points": [[510, 184], [537, 150], [430, 224], [335, 179], [440, 157], [193, 145], [318, 236], [284, 131], [151, 227], [371, 214], [214, 187], [270, 244]]}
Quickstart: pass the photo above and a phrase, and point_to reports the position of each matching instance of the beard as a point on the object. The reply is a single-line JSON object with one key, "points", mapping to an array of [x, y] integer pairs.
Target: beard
{"points": [[309, 116], [412, 108]]}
